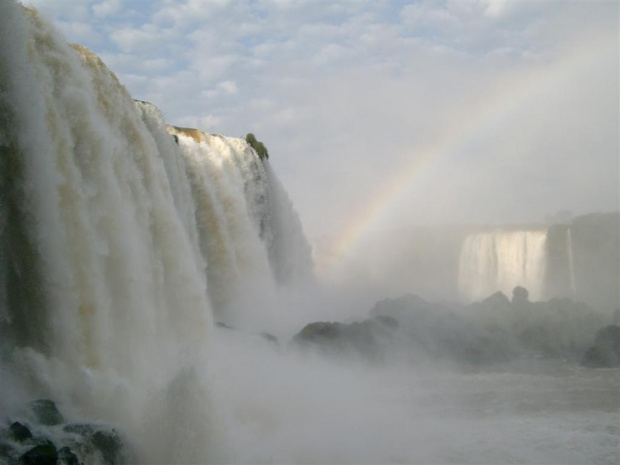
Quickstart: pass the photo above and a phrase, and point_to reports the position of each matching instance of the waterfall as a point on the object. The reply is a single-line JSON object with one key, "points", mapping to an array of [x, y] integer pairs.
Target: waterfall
{"points": [[121, 246], [501, 260], [571, 261], [249, 234]]}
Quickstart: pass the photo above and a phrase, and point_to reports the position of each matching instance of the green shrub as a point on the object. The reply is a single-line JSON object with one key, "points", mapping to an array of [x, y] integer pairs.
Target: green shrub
{"points": [[261, 150]]}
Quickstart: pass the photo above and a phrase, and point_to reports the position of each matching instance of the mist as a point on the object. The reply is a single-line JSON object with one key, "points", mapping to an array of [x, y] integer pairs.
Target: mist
{"points": [[424, 269]]}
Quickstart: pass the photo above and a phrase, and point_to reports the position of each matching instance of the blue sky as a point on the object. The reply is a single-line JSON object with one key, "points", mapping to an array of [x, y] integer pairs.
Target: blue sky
{"points": [[346, 94]]}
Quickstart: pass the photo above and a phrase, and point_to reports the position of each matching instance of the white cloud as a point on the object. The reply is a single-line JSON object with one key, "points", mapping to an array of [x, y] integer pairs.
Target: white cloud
{"points": [[188, 13], [229, 87], [494, 8], [145, 39], [107, 8], [74, 10], [427, 14], [156, 65], [209, 121], [346, 93], [79, 32]]}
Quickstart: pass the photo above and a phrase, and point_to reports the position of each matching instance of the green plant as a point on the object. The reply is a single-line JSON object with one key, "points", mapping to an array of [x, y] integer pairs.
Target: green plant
{"points": [[260, 148]]}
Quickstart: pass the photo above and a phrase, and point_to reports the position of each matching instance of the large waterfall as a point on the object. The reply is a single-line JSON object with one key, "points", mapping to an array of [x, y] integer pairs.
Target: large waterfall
{"points": [[122, 241], [501, 260]]}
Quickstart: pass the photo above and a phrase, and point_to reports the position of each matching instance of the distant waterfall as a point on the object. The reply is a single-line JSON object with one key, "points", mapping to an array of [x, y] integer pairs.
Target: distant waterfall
{"points": [[121, 246], [501, 260], [571, 261]]}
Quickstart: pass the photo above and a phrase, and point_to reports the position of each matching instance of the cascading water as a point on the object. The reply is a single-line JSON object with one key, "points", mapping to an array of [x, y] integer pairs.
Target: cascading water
{"points": [[250, 237], [119, 248], [571, 261], [117, 243], [501, 260]]}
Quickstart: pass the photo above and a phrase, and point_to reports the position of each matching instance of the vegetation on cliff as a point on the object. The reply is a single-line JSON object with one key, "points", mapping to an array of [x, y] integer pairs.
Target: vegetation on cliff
{"points": [[260, 148]]}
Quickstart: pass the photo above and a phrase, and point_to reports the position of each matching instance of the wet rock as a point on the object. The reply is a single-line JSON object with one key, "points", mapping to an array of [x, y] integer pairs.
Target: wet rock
{"points": [[223, 325], [42, 454], [8, 453], [520, 296], [368, 339], [83, 429], [270, 338], [19, 432], [67, 457], [109, 444], [498, 302], [320, 331], [46, 412], [605, 352], [104, 439]]}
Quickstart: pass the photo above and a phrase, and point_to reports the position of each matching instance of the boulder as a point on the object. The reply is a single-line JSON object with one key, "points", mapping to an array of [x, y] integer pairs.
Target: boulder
{"points": [[270, 338], [42, 454], [104, 439], [67, 457], [19, 432], [605, 352], [46, 412], [366, 338], [8, 453], [497, 301], [109, 443], [520, 296]]}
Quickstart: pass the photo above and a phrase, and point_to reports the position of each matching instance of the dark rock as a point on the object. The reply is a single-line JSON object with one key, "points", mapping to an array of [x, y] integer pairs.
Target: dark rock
{"points": [[319, 332], [440, 330], [605, 353], [367, 338], [83, 429], [43, 454], [19, 432], [520, 295], [497, 301], [558, 328], [8, 453], [46, 412], [67, 457], [388, 321], [109, 444], [270, 338], [222, 325], [106, 440], [401, 308]]}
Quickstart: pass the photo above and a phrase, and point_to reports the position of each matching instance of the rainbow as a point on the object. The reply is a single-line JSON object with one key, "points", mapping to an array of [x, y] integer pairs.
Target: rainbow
{"points": [[524, 88]]}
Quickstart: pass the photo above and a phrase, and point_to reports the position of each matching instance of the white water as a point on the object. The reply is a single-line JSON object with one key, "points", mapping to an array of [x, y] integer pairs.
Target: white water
{"points": [[134, 243], [571, 261], [501, 260], [119, 249]]}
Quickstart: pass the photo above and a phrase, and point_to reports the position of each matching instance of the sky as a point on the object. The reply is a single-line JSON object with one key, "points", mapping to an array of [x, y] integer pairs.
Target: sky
{"points": [[384, 115]]}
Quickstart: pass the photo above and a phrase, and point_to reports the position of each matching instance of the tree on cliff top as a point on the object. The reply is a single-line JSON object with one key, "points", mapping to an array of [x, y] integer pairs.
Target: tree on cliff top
{"points": [[257, 145]]}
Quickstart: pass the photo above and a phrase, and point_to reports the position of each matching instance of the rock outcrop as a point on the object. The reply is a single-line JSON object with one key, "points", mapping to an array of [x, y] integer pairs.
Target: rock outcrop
{"points": [[494, 330], [42, 437], [605, 352]]}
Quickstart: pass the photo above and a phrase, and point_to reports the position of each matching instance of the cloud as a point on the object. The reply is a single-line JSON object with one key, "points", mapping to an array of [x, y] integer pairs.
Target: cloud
{"points": [[183, 15], [229, 87], [495, 8], [80, 32], [107, 8], [143, 39], [347, 94], [74, 10]]}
